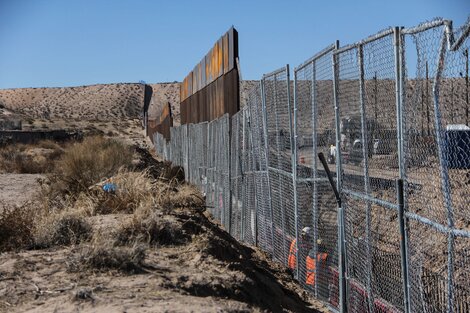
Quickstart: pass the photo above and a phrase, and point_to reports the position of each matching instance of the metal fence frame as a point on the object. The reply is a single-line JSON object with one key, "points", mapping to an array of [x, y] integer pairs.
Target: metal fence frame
{"points": [[250, 168]]}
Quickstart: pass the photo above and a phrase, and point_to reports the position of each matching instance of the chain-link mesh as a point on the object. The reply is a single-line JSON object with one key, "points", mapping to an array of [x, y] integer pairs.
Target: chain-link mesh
{"points": [[260, 170], [236, 175], [317, 209], [278, 125], [437, 145], [394, 105], [367, 84]]}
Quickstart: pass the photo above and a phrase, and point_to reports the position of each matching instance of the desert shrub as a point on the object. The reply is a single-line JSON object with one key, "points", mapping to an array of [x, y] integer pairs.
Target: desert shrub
{"points": [[49, 144], [64, 228], [105, 255], [16, 226], [91, 161], [186, 196], [133, 190], [153, 229], [29, 159]]}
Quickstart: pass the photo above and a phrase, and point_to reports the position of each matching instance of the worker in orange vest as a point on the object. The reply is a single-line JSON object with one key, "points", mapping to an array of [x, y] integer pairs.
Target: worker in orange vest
{"points": [[304, 246], [316, 265]]}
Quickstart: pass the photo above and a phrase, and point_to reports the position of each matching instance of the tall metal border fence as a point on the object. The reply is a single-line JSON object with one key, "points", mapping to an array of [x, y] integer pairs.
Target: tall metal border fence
{"points": [[391, 113]]}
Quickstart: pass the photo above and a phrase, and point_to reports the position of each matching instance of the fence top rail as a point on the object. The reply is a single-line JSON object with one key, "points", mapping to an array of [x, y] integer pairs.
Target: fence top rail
{"points": [[463, 36], [279, 70], [316, 57], [453, 44], [367, 40], [465, 33], [425, 26]]}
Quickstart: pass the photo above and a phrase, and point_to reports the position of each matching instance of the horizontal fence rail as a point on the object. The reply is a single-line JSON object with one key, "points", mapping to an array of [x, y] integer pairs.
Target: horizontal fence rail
{"points": [[391, 115]]}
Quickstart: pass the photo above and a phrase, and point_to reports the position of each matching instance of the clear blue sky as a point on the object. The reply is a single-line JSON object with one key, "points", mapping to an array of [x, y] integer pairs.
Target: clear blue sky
{"points": [[72, 42]]}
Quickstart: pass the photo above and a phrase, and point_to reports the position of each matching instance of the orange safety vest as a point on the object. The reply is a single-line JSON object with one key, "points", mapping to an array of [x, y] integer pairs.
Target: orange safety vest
{"points": [[311, 265], [291, 261]]}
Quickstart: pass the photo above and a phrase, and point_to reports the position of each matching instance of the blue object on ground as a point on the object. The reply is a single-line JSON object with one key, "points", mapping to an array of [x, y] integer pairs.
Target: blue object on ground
{"points": [[109, 187]]}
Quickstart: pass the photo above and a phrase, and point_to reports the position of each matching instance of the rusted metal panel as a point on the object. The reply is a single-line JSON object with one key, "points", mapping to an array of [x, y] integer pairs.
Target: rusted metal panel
{"points": [[212, 88], [203, 73], [220, 58], [233, 48], [225, 51], [161, 124]]}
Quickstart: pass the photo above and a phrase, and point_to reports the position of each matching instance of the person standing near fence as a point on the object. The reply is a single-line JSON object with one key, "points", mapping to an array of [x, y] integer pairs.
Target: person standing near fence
{"points": [[305, 245], [317, 267]]}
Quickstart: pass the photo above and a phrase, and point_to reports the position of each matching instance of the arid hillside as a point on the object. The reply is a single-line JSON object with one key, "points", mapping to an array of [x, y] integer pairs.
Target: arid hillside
{"points": [[95, 102]]}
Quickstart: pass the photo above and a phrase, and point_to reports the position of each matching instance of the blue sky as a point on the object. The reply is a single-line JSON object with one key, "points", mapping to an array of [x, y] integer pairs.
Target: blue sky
{"points": [[72, 42]]}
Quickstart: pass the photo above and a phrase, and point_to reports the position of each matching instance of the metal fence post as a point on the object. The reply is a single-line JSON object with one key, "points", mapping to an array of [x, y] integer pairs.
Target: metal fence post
{"points": [[399, 92], [242, 166], [365, 154], [278, 144], [253, 168], [266, 147], [341, 239], [403, 251], [315, 182], [293, 146]]}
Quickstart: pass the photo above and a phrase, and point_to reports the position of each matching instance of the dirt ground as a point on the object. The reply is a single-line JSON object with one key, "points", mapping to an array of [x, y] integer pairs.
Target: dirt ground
{"points": [[209, 272], [16, 189], [176, 279]]}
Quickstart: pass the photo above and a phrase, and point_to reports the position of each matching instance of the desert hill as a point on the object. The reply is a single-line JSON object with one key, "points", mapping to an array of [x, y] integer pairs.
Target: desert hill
{"points": [[95, 102]]}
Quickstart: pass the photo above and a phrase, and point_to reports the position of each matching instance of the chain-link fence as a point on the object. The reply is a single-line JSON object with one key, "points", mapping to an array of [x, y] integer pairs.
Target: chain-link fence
{"points": [[314, 126], [437, 156], [391, 114]]}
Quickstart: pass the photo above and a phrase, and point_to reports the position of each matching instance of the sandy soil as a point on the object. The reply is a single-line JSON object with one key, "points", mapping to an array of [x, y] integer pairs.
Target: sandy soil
{"points": [[211, 273], [16, 189], [95, 102]]}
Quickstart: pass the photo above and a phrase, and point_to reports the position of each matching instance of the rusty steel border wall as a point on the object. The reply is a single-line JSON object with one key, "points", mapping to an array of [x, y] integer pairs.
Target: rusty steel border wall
{"points": [[161, 125], [148, 92], [212, 88]]}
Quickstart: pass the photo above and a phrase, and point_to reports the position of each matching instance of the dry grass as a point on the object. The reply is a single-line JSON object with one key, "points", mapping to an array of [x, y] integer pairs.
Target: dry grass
{"points": [[92, 161], [16, 227], [66, 201], [186, 196], [134, 190], [106, 255], [29, 158], [63, 228], [153, 229]]}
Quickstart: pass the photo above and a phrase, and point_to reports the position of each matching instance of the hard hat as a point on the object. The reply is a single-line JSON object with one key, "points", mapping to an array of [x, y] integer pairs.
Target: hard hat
{"points": [[306, 231]]}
